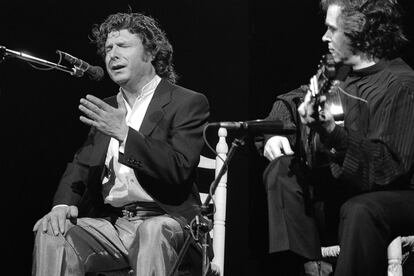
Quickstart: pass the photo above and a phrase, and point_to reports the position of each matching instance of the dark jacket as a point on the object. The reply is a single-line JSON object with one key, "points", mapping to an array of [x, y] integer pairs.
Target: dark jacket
{"points": [[164, 154]]}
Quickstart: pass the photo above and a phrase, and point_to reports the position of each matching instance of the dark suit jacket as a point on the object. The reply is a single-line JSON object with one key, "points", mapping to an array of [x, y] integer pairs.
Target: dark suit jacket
{"points": [[164, 154]]}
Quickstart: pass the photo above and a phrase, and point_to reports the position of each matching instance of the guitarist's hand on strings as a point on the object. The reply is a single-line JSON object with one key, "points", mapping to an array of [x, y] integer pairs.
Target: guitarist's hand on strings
{"points": [[314, 114]]}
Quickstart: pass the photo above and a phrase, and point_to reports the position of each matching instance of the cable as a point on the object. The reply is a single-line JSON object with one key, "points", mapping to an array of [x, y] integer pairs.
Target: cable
{"points": [[210, 191], [47, 68], [352, 96]]}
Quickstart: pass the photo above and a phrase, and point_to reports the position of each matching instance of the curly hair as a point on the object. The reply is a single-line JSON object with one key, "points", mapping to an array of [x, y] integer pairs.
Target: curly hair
{"points": [[153, 39], [373, 26]]}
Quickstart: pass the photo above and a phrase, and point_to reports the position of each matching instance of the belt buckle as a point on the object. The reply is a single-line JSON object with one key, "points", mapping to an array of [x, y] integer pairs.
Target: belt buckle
{"points": [[128, 214]]}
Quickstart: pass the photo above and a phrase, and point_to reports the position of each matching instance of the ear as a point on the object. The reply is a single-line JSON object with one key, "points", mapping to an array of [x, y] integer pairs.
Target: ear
{"points": [[148, 57]]}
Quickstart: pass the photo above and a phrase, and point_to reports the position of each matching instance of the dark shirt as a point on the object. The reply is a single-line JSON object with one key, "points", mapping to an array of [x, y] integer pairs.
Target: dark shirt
{"points": [[376, 144]]}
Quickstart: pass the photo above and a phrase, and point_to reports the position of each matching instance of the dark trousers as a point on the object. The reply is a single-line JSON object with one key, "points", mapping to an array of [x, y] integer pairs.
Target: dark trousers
{"points": [[367, 222]]}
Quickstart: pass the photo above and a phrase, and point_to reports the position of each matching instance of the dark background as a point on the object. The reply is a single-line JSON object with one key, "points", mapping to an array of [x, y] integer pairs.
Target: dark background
{"points": [[241, 54]]}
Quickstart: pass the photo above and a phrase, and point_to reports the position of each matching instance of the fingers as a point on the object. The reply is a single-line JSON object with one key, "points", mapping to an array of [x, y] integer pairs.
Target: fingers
{"points": [[98, 102], [267, 155], [271, 149], [56, 219], [286, 147], [56, 223], [301, 110], [88, 121], [89, 107], [37, 224], [314, 86], [308, 97], [275, 151], [276, 147], [94, 107], [306, 109], [73, 212]]}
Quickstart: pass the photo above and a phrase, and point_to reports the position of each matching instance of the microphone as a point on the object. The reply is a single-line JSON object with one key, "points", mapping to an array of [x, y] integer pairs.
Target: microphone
{"points": [[258, 126], [95, 73]]}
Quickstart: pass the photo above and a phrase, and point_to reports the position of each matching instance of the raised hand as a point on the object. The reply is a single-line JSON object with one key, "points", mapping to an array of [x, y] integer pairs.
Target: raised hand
{"points": [[105, 118]]}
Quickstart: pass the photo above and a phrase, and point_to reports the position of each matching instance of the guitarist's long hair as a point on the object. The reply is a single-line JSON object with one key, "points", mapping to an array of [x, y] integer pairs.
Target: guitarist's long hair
{"points": [[373, 26]]}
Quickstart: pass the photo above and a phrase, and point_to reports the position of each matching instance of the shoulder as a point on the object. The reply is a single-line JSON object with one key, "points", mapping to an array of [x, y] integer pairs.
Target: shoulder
{"points": [[295, 96], [182, 94], [401, 74]]}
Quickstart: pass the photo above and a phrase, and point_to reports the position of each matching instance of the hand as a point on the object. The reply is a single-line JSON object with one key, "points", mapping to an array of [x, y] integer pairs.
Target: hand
{"points": [[324, 121], [57, 219], [105, 118], [277, 146]]}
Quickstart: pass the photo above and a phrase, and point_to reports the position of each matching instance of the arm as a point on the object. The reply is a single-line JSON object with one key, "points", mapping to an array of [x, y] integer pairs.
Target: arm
{"points": [[384, 155], [388, 154], [276, 145], [70, 190], [73, 182], [284, 109]]}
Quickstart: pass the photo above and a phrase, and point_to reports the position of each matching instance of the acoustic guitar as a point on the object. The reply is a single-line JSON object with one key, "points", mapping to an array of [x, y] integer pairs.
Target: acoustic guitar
{"points": [[324, 82]]}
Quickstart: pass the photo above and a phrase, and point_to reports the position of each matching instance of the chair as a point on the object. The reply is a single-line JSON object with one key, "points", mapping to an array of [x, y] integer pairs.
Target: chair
{"points": [[394, 254], [219, 219], [220, 197]]}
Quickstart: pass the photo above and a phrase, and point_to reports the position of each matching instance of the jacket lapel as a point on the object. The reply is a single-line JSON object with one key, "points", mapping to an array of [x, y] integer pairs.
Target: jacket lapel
{"points": [[155, 112]]}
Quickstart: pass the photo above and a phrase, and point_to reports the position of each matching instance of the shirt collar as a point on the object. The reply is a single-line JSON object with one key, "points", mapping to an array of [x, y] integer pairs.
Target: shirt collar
{"points": [[371, 69], [150, 86]]}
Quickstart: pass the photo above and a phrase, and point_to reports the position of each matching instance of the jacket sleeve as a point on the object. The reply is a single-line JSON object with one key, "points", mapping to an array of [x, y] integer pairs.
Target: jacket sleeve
{"points": [[72, 184], [284, 109]]}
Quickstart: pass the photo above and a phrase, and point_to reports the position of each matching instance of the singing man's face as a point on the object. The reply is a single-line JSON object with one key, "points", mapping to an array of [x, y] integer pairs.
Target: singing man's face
{"points": [[126, 59], [338, 42]]}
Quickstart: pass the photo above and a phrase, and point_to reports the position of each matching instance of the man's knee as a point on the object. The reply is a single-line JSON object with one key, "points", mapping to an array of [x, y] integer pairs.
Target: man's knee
{"points": [[361, 209], [159, 224], [47, 239], [161, 228], [282, 175]]}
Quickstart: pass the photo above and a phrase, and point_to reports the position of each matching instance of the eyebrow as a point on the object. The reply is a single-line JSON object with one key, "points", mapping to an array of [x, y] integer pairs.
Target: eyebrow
{"points": [[330, 26]]}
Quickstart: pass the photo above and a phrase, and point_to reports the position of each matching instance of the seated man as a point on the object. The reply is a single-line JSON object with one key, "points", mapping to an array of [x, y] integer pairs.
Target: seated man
{"points": [[124, 200], [370, 159]]}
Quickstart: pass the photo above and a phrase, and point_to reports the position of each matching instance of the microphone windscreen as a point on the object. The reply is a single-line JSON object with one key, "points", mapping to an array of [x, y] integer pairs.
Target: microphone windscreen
{"points": [[96, 73]]}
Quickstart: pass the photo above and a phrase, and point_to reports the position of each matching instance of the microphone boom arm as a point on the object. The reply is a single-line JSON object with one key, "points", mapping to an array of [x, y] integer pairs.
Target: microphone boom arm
{"points": [[4, 52]]}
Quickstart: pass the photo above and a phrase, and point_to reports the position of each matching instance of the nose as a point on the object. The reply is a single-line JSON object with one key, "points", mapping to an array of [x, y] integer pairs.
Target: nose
{"points": [[113, 53], [326, 36]]}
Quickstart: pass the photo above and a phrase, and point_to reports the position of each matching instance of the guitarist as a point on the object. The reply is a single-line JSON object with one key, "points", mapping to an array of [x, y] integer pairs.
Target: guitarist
{"points": [[368, 184]]}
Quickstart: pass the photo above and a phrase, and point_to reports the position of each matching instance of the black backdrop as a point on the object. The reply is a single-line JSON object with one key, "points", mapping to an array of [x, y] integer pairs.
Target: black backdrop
{"points": [[239, 53]]}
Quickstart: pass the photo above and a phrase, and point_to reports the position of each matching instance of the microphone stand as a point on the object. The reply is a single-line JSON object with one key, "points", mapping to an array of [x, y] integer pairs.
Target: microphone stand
{"points": [[202, 226], [4, 52]]}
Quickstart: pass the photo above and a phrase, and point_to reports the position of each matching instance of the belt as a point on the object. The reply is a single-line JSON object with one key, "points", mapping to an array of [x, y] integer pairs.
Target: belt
{"points": [[140, 210]]}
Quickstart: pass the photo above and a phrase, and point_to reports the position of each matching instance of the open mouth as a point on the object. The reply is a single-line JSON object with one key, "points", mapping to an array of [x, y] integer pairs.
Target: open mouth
{"points": [[117, 67]]}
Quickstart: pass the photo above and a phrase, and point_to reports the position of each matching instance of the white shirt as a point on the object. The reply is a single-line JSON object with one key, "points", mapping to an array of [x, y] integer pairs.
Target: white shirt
{"points": [[120, 186]]}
